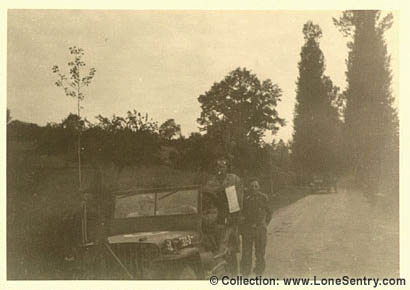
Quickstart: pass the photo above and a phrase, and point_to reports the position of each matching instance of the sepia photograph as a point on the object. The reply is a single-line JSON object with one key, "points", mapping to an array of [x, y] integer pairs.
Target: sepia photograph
{"points": [[219, 145]]}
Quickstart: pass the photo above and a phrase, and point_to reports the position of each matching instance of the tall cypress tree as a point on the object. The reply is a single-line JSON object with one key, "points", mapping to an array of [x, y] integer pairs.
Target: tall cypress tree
{"points": [[316, 121], [371, 125]]}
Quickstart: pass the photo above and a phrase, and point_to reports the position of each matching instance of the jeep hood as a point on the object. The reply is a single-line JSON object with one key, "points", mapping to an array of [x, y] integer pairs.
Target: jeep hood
{"points": [[150, 237]]}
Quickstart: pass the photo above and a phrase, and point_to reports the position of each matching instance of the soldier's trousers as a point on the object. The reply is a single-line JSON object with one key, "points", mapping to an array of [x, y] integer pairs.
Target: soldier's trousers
{"points": [[229, 244], [253, 236]]}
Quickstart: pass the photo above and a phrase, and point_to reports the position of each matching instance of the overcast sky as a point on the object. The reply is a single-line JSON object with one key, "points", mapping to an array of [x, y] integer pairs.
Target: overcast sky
{"points": [[160, 61]]}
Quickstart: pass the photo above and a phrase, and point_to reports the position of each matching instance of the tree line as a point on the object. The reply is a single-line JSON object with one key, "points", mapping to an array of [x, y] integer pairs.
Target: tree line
{"points": [[355, 131], [335, 132]]}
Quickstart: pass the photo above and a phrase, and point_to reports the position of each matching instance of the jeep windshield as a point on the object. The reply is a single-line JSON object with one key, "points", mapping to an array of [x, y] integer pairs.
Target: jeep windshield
{"points": [[159, 202]]}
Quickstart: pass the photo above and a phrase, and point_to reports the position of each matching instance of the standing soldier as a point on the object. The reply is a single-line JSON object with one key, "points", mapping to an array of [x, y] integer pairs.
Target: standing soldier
{"points": [[227, 221], [257, 215]]}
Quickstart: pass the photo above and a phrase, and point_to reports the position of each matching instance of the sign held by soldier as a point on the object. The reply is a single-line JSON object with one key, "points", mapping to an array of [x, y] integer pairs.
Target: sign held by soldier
{"points": [[232, 198]]}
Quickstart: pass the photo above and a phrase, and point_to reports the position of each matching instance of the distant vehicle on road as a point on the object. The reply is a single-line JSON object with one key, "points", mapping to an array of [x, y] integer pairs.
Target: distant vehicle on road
{"points": [[323, 183]]}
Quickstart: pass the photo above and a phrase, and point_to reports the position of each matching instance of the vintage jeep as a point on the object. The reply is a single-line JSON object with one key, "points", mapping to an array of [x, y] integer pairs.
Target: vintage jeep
{"points": [[152, 234]]}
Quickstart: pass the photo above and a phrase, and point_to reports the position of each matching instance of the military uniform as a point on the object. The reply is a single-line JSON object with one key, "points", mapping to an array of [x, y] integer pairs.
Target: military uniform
{"points": [[227, 223], [257, 215]]}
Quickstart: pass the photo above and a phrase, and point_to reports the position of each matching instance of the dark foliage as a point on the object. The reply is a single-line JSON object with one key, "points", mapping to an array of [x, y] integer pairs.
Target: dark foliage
{"points": [[197, 152], [237, 111], [316, 120], [170, 129], [371, 123], [22, 131], [132, 140]]}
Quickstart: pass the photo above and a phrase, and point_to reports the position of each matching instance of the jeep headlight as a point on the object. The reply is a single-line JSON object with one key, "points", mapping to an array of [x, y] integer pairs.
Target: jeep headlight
{"points": [[185, 241], [171, 246]]}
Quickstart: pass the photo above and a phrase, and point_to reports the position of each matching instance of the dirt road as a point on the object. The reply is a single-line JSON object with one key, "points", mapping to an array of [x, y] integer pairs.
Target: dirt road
{"points": [[331, 235]]}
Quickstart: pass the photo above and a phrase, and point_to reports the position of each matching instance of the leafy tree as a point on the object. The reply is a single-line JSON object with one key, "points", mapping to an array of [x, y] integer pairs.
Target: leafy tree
{"points": [[371, 123], [73, 87], [23, 132], [170, 129], [275, 166], [197, 152], [238, 110], [73, 123], [124, 141], [281, 154], [60, 138], [316, 120]]}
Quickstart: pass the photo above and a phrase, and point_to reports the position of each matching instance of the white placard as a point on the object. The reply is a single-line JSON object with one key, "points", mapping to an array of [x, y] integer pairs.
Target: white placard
{"points": [[232, 197]]}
